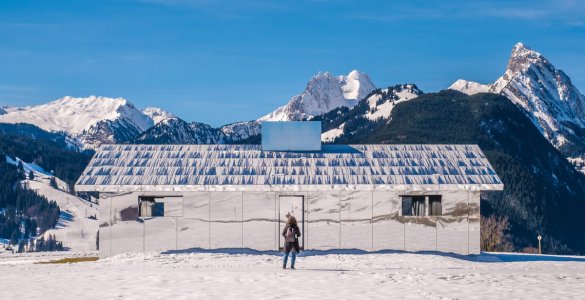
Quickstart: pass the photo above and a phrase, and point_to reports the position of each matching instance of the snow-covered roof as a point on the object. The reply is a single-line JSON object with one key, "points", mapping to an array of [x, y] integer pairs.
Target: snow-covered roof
{"points": [[247, 167]]}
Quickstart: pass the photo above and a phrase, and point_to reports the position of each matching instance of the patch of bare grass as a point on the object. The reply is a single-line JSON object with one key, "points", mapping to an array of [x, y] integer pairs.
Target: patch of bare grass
{"points": [[70, 260]]}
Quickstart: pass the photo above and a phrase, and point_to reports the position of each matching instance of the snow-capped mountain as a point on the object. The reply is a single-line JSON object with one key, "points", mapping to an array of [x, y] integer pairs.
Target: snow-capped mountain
{"points": [[545, 93], [95, 120], [157, 114], [377, 107], [470, 87], [240, 130], [176, 131], [90, 121], [323, 93]]}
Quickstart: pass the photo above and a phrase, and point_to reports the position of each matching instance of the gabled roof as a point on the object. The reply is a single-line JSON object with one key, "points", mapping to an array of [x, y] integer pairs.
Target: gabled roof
{"points": [[247, 167]]}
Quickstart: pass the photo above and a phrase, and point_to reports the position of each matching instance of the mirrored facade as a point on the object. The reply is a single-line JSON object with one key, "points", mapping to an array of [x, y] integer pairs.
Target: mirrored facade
{"points": [[338, 219], [356, 220], [226, 226], [259, 221]]}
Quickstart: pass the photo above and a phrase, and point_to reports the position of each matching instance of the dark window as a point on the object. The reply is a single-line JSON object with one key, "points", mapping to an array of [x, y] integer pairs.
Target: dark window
{"points": [[160, 206], [150, 208], [406, 206], [420, 206], [413, 205], [436, 206]]}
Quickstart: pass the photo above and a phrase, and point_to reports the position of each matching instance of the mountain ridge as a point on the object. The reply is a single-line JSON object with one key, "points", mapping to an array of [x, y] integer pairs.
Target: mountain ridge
{"points": [[546, 95], [323, 93], [91, 120]]}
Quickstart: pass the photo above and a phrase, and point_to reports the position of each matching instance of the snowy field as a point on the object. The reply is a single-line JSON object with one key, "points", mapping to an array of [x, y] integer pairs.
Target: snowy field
{"points": [[240, 275]]}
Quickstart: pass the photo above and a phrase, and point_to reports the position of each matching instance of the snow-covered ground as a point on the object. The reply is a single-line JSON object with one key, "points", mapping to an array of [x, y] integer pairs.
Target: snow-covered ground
{"points": [[241, 275], [384, 110], [331, 135]]}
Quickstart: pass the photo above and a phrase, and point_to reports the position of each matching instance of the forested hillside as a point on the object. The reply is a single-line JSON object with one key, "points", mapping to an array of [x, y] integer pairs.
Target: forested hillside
{"points": [[48, 150], [24, 214]]}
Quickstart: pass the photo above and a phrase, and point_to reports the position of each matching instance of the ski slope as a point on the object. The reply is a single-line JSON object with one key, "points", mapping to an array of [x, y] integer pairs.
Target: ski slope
{"points": [[249, 275], [74, 229]]}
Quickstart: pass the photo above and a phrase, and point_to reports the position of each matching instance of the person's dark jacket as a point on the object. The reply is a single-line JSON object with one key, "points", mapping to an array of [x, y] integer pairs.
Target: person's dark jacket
{"points": [[288, 246]]}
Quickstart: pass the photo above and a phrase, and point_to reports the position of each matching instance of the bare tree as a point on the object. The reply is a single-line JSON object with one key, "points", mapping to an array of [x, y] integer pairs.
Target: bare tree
{"points": [[493, 234]]}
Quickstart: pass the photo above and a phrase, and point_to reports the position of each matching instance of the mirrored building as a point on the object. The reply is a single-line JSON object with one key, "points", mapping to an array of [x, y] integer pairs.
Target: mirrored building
{"points": [[367, 197]]}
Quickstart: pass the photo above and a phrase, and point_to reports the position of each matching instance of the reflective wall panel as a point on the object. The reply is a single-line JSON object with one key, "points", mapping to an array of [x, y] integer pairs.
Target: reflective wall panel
{"points": [[173, 206], [104, 225], [388, 229], [474, 222], [323, 227], [260, 224], [194, 227], [196, 205], [127, 229], [420, 234], [160, 233], [452, 234], [452, 227], [226, 219], [474, 236], [356, 220], [454, 204], [193, 233]]}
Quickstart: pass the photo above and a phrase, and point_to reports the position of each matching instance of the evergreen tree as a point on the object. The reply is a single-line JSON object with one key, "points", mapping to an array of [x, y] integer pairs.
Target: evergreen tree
{"points": [[40, 245], [31, 175], [53, 183], [20, 171], [21, 245], [14, 237], [71, 187]]}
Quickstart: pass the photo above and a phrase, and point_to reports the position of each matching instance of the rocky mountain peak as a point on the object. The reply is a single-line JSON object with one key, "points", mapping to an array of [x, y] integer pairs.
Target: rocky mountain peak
{"points": [[545, 94], [157, 114], [522, 57], [323, 93]]}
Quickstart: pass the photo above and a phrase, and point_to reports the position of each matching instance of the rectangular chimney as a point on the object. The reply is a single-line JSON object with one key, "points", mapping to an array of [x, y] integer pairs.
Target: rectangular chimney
{"points": [[291, 136]]}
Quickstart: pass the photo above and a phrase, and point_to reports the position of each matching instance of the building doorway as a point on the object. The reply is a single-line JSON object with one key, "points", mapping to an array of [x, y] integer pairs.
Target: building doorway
{"points": [[294, 205]]}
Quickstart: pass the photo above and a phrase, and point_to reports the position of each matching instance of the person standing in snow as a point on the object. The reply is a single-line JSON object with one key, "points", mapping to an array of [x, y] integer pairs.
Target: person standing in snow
{"points": [[291, 234]]}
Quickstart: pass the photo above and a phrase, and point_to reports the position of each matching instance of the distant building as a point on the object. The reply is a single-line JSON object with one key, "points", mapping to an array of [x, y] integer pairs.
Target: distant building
{"points": [[368, 197]]}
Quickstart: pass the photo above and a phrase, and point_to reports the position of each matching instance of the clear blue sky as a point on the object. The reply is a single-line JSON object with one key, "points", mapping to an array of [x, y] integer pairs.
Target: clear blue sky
{"points": [[220, 61]]}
